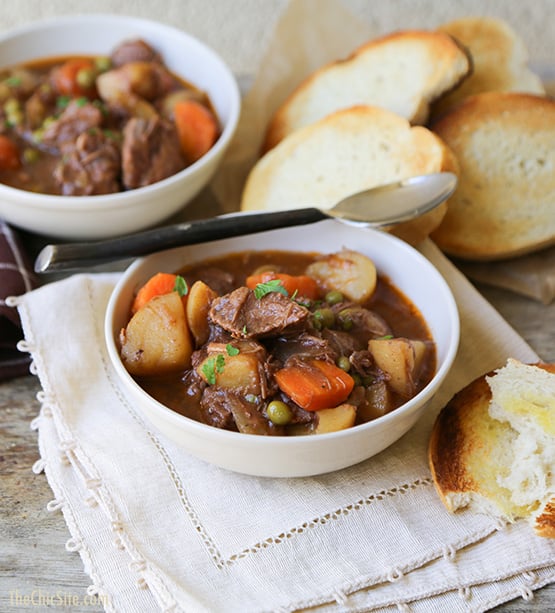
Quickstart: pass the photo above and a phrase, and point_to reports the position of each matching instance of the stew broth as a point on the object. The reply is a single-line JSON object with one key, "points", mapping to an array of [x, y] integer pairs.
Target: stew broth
{"points": [[402, 317]]}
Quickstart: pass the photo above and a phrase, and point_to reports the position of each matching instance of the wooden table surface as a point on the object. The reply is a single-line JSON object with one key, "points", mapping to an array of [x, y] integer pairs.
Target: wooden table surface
{"points": [[33, 559]]}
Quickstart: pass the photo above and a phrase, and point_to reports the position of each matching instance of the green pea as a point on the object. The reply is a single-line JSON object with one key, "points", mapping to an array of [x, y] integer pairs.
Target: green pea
{"points": [[103, 63], [334, 296], [37, 135], [343, 363], [48, 121], [345, 320], [85, 77], [30, 155], [12, 106], [14, 118], [279, 413], [323, 318]]}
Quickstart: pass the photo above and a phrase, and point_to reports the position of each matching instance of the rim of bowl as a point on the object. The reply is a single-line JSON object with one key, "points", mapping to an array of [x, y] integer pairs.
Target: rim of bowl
{"points": [[126, 198], [442, 290]]}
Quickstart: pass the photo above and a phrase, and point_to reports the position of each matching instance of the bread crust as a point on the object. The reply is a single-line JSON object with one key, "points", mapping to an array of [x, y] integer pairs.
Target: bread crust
{"points": [[464, 455], [499, 56], [346, 152], [359, 79], [545, 521], [504, 204]]}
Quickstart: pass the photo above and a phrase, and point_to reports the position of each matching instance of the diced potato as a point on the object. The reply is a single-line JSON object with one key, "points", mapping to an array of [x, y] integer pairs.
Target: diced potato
{"points": [[349, 272], [401, 359], [157, 339], [198, 304], [338, 418], [241, 371]]}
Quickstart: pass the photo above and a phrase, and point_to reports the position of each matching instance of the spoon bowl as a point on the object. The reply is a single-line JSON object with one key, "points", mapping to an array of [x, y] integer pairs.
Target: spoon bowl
{"points": [[380, 206]]}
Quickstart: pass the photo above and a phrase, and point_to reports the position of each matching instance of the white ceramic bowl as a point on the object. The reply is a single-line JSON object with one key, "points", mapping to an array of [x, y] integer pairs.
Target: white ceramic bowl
{"points": [[91, 217], [307, 455]]}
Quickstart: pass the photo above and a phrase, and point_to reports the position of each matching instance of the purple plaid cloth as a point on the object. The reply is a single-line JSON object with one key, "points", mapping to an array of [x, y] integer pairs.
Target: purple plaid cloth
{"points": [[16, 277]]}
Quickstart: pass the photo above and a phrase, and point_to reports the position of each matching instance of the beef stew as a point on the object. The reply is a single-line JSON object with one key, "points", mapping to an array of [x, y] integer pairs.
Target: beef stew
{"points": [[83, 126], [278, 342]]}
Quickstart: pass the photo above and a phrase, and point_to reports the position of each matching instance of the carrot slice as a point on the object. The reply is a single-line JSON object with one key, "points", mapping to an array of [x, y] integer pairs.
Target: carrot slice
{"points": [[161, 283], [300, 286], [197, 128], [66, 80], [315, 385], [9, 154]]}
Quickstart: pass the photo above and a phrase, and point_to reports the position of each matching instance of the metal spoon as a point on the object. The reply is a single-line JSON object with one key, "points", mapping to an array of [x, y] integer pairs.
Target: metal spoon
{"points": [[380, 206]]}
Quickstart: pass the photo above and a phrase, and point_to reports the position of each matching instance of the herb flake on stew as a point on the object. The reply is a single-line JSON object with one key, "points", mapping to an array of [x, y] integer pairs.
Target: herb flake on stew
{"points": [[213, 365], [275, 285], [181, 286], [231, 350]]}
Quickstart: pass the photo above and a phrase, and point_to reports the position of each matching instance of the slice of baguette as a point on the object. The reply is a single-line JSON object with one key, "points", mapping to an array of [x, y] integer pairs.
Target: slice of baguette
{"points": [[499, 57], [403, 72], [347, 152], [504, 204], [492, 447]]}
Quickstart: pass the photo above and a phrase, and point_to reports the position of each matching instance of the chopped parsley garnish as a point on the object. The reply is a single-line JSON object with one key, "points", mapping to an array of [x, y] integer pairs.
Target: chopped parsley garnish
{"points": [[231, 350], [212, 366], [275, 285], [13, 81], [181, 286], [62, 101]]}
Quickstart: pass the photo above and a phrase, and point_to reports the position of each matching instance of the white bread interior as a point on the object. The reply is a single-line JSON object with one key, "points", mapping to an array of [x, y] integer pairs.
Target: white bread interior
{"points": [[346, 152]]}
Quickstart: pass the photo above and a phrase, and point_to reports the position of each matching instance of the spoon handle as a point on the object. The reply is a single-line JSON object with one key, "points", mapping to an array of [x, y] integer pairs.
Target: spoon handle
{"points": [[73, 256]]}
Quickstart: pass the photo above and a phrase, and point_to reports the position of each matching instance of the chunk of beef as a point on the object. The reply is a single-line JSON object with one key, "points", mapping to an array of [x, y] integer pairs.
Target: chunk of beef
{"points": [[363, 323], [77, 118], [363, 363], [91, 168], [225, 408], [221, 281], [245, 316], [134, 51], [215, 408], [342, 342], [150, 152], [306, 345]]}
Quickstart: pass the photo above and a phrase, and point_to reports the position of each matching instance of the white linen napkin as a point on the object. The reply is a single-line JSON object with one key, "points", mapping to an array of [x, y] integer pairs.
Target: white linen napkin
{"points": [[157, 528]]}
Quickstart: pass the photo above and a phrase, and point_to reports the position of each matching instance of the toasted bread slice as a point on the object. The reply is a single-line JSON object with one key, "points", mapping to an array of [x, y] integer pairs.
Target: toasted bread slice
{"points": [[403, 72], [492, 447], [499, 59], [347, 152], [504, 204], [544, 523]]}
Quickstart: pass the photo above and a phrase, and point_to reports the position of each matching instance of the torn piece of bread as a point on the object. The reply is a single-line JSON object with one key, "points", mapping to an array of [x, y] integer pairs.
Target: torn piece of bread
{"points": [[403, 72], [347, 152], [504, 204], [492, 447], [499, 58]]}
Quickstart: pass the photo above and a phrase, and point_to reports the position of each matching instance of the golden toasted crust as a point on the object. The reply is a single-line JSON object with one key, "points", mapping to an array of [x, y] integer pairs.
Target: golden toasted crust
{"points": [[545, 522], [499, 60], [404, 72], [466, 454], [504, 202]]}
